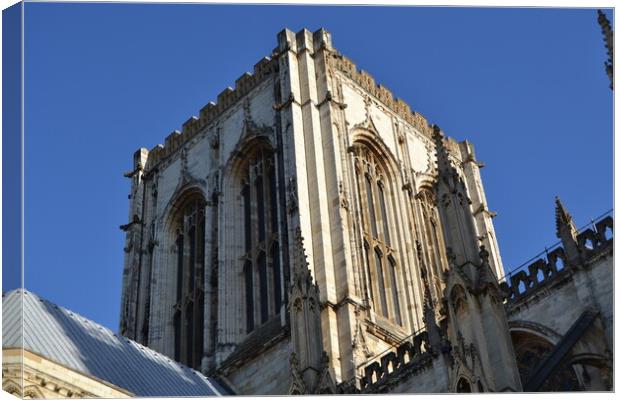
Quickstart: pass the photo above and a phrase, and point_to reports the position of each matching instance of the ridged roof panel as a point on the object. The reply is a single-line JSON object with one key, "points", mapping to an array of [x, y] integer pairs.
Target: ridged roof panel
{"points": [[85, 346]]}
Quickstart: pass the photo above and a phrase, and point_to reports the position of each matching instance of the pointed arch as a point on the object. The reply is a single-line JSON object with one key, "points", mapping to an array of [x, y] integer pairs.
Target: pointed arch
{"points": [[185, 234], [431, 237], [375, 180], [251, 252]]}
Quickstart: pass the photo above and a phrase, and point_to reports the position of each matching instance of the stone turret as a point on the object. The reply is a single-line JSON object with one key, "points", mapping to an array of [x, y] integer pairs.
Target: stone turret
{"points": [[454, 207], [477, 323]]}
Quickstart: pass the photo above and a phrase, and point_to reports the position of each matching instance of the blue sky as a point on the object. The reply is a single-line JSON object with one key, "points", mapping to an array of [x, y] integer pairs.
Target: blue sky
{"points": [[526, 86]]}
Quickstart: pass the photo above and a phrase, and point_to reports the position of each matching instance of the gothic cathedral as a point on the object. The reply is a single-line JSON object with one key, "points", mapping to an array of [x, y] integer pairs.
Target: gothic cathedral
{"points": [[310, 233]]}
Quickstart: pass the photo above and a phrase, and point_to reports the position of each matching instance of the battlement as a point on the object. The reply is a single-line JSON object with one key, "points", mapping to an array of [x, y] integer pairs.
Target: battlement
{"points": [[383, 94], [301, 41], [543, 271], [412, 352], [209, 113]]}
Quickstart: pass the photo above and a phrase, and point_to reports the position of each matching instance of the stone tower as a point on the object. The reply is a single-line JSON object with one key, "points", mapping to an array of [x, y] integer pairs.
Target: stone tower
{"points": [[305, 146]]}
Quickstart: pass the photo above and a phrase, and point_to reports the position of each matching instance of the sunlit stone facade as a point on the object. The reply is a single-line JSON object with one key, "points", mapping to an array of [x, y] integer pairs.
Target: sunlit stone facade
{"points": [[307, 197]]}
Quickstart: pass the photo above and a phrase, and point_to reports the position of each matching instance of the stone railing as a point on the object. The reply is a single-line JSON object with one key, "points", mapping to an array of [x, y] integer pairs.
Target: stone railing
{"points": [[413, 350], [543, 270], [591, 241]]}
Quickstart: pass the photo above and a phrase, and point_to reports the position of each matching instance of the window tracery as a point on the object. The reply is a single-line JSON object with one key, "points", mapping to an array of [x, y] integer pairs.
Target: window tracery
{"points": [[377, 213], [188, 318], [432, 238], [261, 259]]}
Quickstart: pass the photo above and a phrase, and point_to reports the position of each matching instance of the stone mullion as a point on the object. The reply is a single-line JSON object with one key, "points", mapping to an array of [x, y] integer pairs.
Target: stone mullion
{"points": [[376, 243], [428, 247], [410, 289], [416, 208], [411, 284], [207, 276], [366, 242], [169, 263], [181, 301], [357, 195], [255, 245], [391, 201], [396, 210], [230, 275], [268, 241], [432, 245], [276, 232], [372, 268], [398, 205], [441, 262], [385, 250], [435, 242], [198, 286]]}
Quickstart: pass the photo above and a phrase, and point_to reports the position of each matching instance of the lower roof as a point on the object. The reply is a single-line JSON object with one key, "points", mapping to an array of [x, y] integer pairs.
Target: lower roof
{"points": [[87, 347]]}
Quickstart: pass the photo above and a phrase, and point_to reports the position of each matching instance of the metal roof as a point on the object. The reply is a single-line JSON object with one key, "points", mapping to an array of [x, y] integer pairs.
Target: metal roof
{"points": [[85, 346]]}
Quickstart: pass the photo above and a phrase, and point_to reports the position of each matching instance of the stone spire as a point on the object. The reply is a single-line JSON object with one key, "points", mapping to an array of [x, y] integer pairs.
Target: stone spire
{"points": [[566, 231], [308, 360], [454, 207], [608, 33]]}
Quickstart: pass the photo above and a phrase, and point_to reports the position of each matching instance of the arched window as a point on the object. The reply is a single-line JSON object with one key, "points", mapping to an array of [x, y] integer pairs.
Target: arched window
{"points": [[261, 260], [188, 319], [432, 238], [374, 190]]}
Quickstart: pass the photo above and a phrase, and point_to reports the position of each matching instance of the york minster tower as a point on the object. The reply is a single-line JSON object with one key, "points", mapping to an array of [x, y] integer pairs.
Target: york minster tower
{"points": [[304, 224]]}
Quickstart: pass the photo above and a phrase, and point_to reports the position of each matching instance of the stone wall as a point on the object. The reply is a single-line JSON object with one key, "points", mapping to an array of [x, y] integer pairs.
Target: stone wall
{"points": [[266, 374], [43, 378]]}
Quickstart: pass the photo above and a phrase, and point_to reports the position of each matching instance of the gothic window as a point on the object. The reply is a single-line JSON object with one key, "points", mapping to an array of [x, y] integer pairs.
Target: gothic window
{"points": [[188, 319], [431, 238], [529, 350], [261, 260], [377, 213]]}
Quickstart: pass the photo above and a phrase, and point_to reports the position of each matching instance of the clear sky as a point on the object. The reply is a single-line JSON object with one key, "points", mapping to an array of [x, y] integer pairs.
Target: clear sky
{"points": [[526, 86]]}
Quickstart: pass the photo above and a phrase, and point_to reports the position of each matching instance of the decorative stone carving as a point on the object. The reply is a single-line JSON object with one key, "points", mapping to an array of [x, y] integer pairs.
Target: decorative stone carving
{"points": [[344, 198], [292, 195]]}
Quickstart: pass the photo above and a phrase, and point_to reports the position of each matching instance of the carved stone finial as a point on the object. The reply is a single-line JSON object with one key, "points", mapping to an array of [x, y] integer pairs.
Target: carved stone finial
{"points": [[294, 362], [484, 255], [567, 232], [608, 33], [300, 253], [444, 167], [418, 247], [450, 256], [563, 220]]}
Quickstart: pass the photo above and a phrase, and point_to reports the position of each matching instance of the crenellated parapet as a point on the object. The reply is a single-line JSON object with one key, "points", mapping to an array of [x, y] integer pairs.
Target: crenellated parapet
{"points": [[383, 94], [411, 355], [212, 111], [548, 269]]}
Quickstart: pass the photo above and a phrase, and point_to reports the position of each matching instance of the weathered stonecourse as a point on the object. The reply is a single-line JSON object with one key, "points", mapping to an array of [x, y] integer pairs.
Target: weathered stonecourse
{"points": [[398, 283]]}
